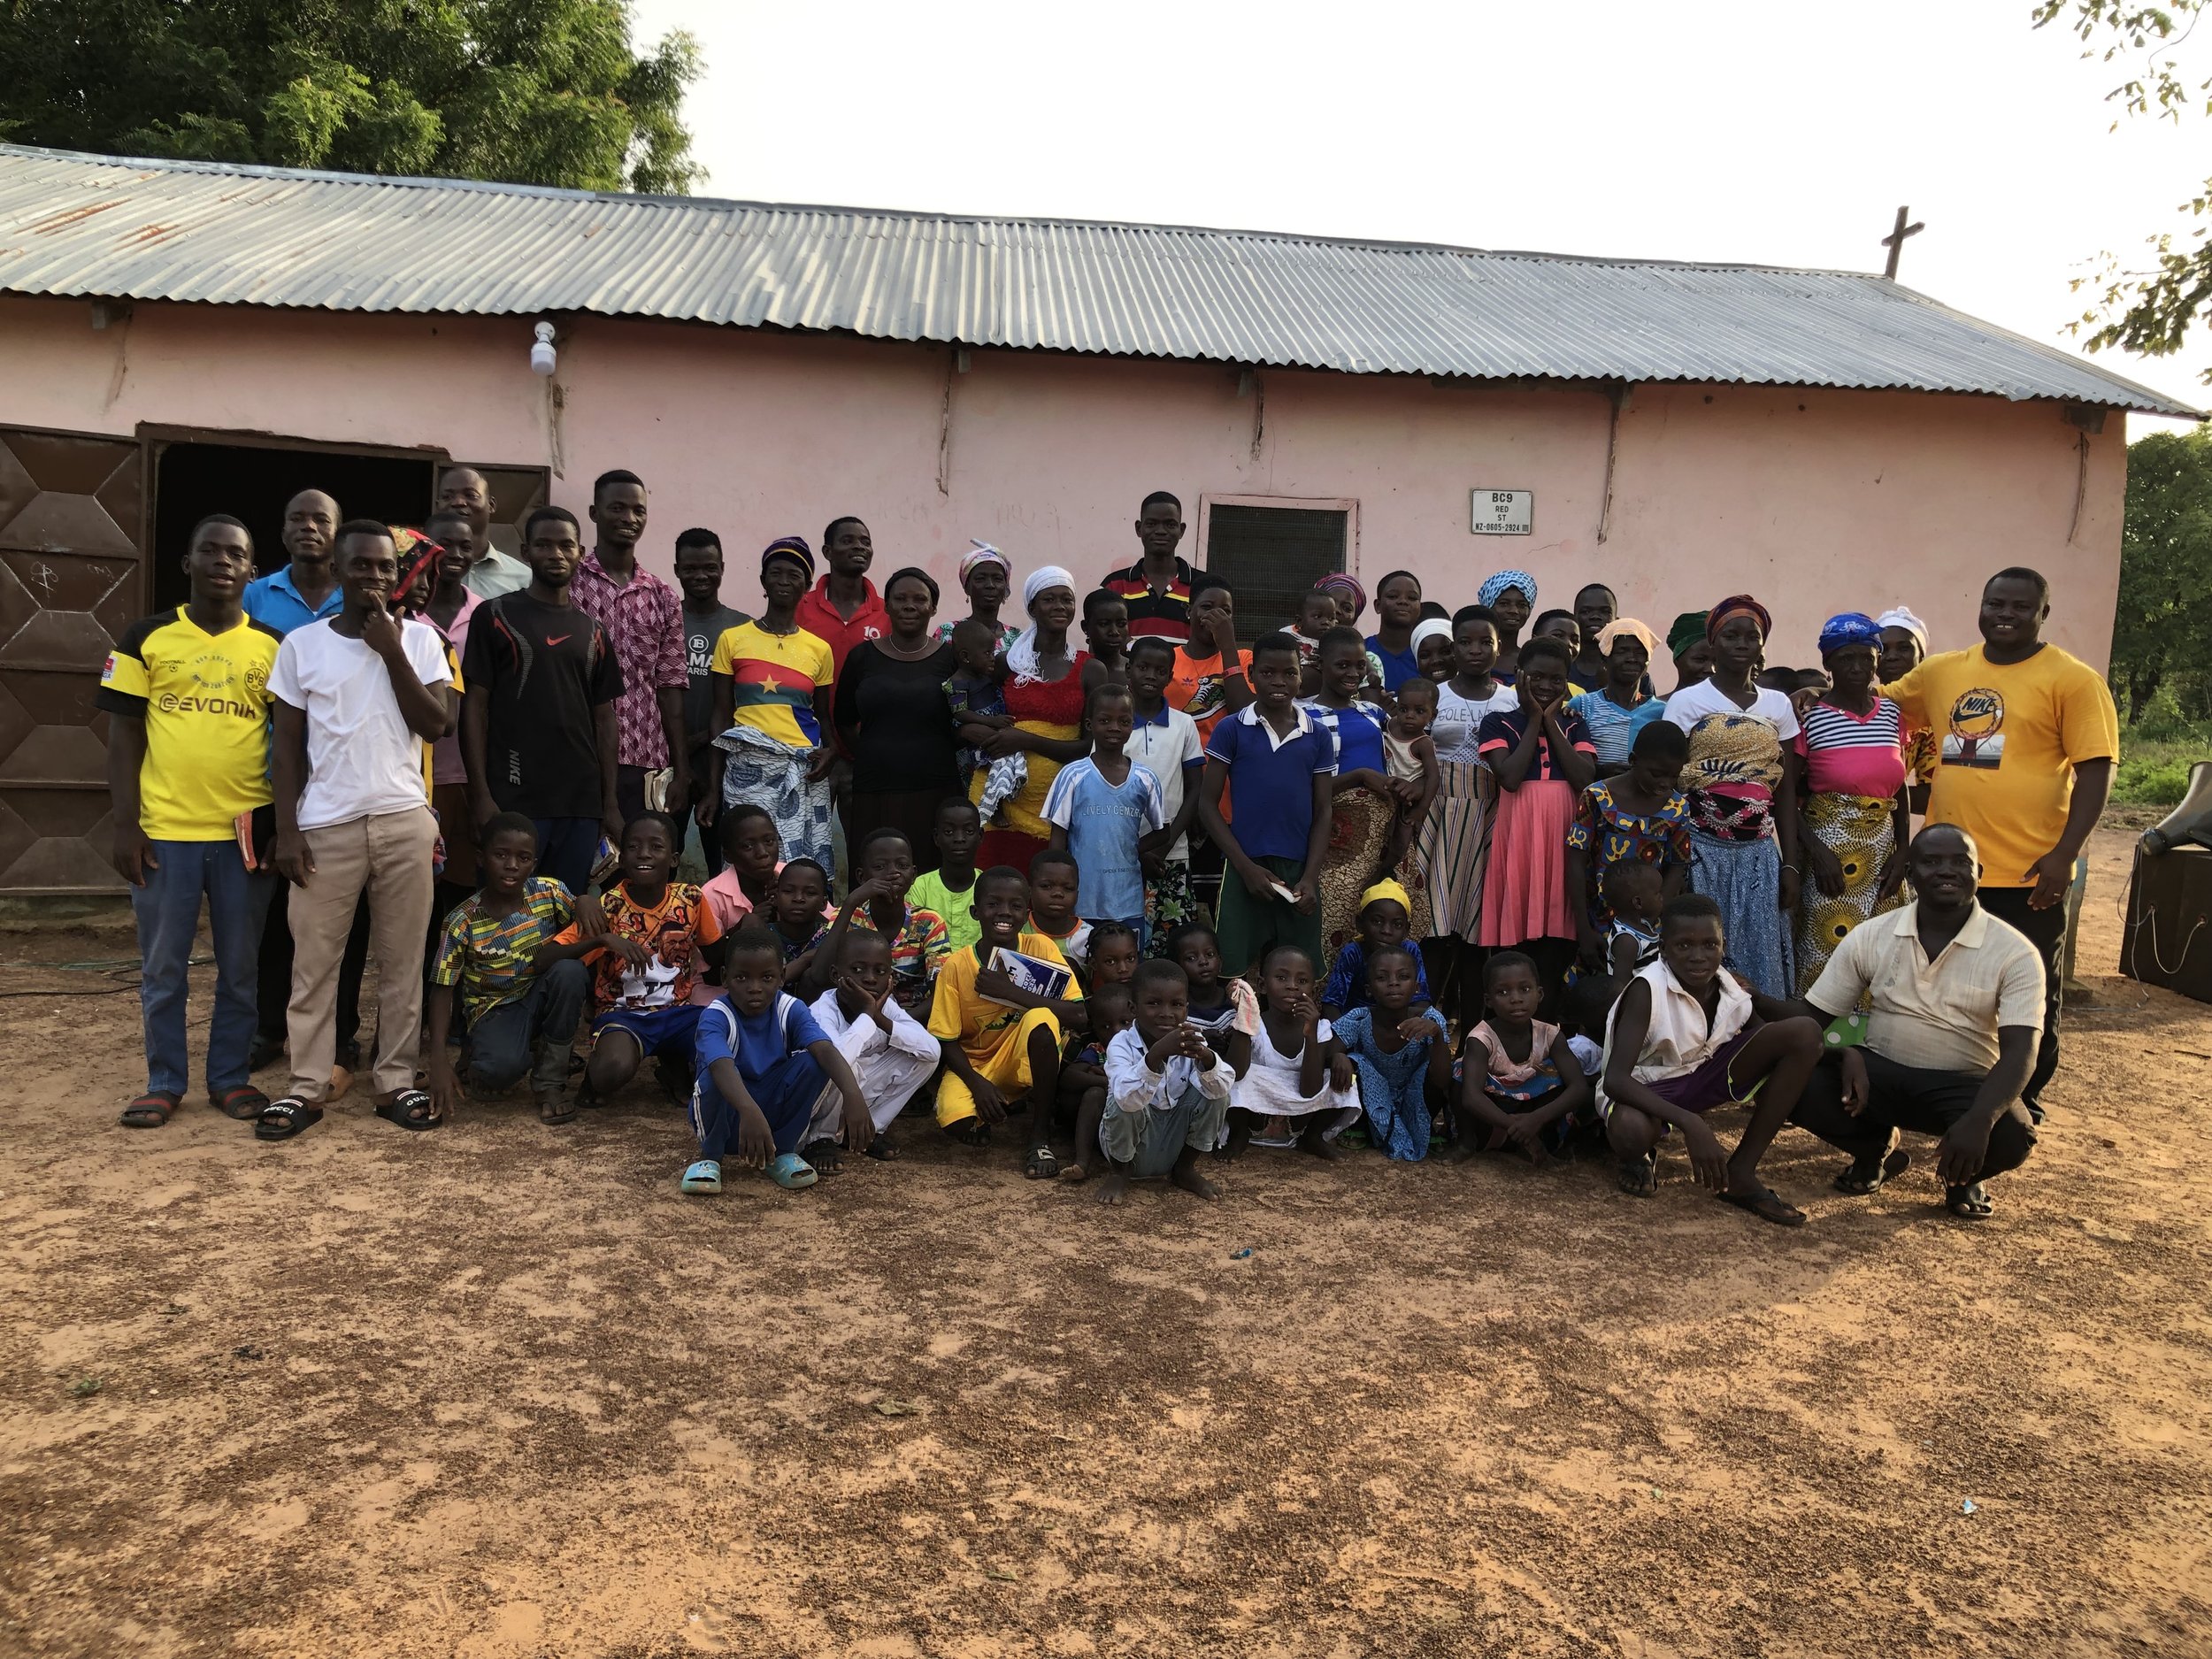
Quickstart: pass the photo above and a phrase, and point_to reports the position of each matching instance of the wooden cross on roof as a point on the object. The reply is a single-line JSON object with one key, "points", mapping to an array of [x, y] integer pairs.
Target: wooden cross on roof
{"points": [[1895, 240]]}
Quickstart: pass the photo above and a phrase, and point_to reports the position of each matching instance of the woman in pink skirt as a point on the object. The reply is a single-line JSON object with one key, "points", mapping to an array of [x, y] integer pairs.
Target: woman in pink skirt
{"points": [[1542, 756]]}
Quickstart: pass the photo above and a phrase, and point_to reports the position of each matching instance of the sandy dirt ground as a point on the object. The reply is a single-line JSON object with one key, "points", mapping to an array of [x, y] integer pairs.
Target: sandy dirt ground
{"points": [[500, 1391]]}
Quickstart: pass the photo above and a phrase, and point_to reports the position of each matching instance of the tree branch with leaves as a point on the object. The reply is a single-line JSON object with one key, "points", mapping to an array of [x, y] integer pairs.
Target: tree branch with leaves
{"points": [[547, 92], [2150, 308]]}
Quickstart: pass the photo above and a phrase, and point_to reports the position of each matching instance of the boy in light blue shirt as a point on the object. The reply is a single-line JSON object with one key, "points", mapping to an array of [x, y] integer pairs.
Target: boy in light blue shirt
{"points": [[1100, 808]]}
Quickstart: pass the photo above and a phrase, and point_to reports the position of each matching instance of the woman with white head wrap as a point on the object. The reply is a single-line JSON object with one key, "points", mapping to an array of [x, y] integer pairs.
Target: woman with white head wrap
{"points": [[1904, 646], [1044, 697], [1434, 628]]}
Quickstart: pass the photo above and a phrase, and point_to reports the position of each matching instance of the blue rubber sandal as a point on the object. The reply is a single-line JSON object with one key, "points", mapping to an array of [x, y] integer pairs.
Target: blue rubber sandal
{"points": [[705, 1176], [791, 1171]]}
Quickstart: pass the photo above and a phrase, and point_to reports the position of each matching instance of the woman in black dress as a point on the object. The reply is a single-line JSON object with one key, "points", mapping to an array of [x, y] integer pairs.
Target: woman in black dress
{"points": [[896, 723]]}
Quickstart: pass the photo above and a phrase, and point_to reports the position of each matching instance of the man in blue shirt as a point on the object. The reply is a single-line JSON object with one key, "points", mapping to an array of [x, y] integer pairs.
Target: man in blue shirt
{"points": [[301, 591], [306, 589], [1278, 764]]}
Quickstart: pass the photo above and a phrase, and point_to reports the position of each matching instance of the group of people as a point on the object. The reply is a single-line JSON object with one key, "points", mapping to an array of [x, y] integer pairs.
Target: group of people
{"points": [[1156, 891]]}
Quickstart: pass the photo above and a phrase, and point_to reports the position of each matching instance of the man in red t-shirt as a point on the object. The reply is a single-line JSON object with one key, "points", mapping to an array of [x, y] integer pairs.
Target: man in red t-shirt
{"points": [[841, 610]]}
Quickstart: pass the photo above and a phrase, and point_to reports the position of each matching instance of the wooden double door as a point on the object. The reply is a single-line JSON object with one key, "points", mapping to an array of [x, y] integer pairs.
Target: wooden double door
{"points": [[81, 526]]}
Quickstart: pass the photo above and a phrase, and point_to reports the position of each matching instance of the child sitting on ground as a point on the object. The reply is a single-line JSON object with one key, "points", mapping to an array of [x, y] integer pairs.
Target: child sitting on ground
{"points": [[795, 912], [1683, 1039], [1001, 1041], [1403, 1058], [1113, 964], [976, 692], [889, 1051], [1166, 1091], [1226, 1009], [949, 888], [1523, 1086], [521, 1015], [1101, 809], [763, 1066], [1301, 1082], [1055, 882], [919, 939], [1386, 915], [645, 964], [1083, 1076]]}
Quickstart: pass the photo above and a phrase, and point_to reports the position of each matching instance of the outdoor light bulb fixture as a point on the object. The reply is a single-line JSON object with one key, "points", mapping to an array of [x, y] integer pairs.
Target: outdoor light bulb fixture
{"points": [[541, 354]]}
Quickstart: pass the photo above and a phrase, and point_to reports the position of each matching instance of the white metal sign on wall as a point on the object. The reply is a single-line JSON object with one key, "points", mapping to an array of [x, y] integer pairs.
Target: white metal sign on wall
{"points": [[1504, 511]]}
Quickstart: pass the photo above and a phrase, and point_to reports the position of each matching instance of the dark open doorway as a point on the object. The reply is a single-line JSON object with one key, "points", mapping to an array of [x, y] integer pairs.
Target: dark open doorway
{"points": [[253, 483]]}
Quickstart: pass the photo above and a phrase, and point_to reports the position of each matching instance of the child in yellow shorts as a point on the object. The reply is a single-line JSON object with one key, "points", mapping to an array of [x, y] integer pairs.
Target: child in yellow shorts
{"points": [[1001, 1044]]}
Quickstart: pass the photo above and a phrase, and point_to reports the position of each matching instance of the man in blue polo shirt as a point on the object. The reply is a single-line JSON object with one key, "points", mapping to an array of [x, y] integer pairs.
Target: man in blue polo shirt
{"points": [[1278, 764], [302, 591]]}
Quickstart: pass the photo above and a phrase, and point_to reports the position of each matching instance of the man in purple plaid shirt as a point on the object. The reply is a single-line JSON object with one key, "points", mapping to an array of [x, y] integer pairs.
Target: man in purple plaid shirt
{"points": [[643, 616]]}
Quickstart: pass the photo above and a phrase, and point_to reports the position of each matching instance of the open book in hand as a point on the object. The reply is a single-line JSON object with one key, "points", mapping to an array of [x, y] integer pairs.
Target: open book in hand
{"points": [[1033, 975]]}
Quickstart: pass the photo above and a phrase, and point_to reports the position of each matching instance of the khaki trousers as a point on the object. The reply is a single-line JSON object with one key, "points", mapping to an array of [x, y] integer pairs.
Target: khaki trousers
{"points": [[388, 855]]}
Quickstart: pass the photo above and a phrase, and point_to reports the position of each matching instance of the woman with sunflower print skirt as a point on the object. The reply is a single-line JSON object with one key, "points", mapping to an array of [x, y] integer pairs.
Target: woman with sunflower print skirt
{"points": [[1854, 809]]}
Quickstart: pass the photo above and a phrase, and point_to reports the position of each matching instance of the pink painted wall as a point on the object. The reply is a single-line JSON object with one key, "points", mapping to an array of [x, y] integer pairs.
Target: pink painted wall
{"points": [[1814, 500]]}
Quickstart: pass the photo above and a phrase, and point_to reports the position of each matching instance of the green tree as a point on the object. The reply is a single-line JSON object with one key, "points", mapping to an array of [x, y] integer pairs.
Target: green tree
{"points": [[2145, 308], [526, 92], [2161, 633]]}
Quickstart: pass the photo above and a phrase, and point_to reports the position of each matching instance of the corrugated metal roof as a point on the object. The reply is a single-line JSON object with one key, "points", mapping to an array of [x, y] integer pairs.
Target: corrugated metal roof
{"points": [[101, 225]]}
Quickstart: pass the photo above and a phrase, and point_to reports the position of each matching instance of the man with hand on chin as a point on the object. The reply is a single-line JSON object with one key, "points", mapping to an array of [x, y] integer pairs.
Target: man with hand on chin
{"points": [[356, 695]]}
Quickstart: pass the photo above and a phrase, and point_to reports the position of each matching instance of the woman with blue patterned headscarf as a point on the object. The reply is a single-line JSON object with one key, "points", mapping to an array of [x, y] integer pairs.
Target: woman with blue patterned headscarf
{"points": [[1511, 596], [1853, 805]]}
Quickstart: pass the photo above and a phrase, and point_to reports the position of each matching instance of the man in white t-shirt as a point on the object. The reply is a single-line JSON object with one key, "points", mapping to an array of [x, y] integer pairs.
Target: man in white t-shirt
{"points": [[357, 695]]}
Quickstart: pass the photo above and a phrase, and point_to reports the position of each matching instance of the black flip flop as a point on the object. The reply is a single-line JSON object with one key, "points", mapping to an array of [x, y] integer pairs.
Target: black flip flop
{"points": [[151, 1109], [1859, 1181], [881, 1149], [411, 1108], [1042, 1164], [1767, 1205], [1969, 1203], [280, 1119], [243, 1104], [1639, 1176]]}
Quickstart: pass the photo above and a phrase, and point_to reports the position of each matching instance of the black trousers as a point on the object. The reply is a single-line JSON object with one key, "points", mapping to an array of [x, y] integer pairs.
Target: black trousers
{"points": [[1906, 1097], [2046, 932], [273, 994]]}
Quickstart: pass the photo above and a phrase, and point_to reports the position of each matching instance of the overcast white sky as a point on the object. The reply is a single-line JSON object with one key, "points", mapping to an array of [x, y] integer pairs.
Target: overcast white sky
{"points": [[1775, 134]]}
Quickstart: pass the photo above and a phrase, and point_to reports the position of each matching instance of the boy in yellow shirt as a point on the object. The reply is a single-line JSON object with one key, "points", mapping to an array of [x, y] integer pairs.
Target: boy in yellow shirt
{"points": [[1002, 1042]]}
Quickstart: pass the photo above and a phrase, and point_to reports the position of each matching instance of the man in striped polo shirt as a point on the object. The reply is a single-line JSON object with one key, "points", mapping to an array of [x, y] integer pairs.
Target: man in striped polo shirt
{"points": [[1156, 588]]}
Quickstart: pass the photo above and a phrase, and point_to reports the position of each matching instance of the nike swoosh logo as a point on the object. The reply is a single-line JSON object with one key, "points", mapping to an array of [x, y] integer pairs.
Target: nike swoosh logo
{"points": [[557, 639]]}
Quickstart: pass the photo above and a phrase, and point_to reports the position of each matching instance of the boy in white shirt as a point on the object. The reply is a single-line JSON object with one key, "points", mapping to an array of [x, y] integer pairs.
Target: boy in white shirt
{"points": [[1167, 1092], [356, 696], [889, 1051]]}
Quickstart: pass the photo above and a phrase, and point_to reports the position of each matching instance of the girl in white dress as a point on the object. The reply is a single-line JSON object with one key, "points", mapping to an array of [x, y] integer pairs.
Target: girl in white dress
{"points": [[1299, 1089]]}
